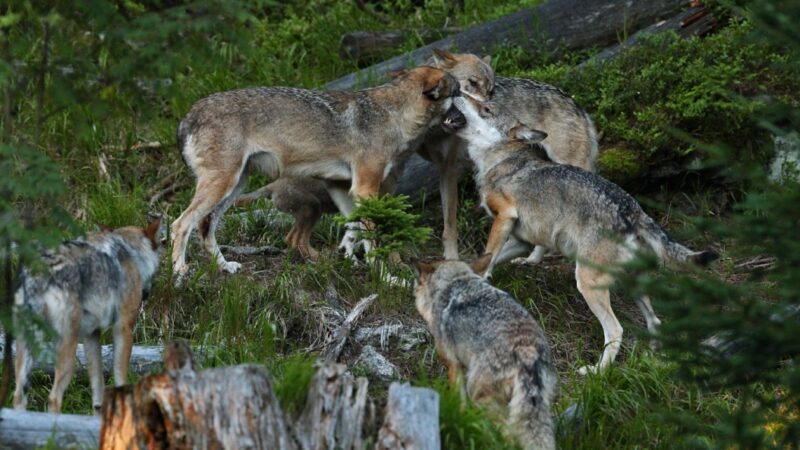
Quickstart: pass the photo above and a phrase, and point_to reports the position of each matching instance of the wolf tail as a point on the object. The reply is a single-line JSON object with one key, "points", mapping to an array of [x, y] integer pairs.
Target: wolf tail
{"points": [[264, 191], [670, 252], [529, 417]]}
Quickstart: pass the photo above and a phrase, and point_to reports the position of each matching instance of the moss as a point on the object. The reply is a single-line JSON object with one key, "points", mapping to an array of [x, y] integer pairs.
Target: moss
{"points": [[620, 164]]}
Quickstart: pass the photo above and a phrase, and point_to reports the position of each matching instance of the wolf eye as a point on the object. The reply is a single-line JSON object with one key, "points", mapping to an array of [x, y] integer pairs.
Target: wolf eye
{"points": [[473, 83], [487, 110]]}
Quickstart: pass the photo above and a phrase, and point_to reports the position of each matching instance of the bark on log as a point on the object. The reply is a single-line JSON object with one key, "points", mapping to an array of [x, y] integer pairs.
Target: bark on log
{"points": [[335, 411], [144, 359], [231, 408], [556, 24], [26, 430], [412, 419], [696, 21], [359, 46]]}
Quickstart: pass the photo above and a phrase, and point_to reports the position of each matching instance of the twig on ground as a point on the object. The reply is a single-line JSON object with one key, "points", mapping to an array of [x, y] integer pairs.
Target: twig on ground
{"points": [[334, 349]]}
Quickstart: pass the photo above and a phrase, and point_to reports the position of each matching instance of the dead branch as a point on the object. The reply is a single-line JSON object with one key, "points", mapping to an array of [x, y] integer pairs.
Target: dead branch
{"points": [[334, 349]]}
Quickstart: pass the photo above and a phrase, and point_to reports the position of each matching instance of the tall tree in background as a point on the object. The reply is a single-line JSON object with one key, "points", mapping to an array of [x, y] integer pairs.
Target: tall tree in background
{"points": [[63, 64]]}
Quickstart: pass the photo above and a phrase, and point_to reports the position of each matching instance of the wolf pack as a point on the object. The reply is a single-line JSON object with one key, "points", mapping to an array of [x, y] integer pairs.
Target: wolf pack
{"points": [[533, 149]]}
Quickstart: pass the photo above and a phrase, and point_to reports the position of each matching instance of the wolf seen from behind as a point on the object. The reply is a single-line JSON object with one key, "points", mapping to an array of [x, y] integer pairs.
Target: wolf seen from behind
{"points": [[485, 337], [536, 202], [89, 284]]}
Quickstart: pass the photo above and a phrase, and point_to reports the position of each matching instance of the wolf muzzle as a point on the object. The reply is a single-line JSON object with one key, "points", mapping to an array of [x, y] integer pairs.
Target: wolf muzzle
{"points": [[453, 120]]}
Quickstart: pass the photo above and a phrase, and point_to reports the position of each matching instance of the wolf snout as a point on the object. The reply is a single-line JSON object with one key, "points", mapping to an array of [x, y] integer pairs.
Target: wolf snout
{"points": [[453, 120]]}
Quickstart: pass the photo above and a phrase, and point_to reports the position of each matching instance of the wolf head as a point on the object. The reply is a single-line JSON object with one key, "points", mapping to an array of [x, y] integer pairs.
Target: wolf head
{"points": [[487, 124], [474, 74], [146, 244], [433, 276]]}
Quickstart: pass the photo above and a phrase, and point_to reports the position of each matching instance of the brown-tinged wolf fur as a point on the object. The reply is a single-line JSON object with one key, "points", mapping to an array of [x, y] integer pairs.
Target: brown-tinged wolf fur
{"points": [[572, 138], [492, 344], [536, 202], [360, 136], [90, 284], [305, 199]]}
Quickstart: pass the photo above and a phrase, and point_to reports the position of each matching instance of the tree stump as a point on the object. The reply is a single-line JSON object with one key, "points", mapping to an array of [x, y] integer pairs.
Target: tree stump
{"points": [[412, 419], [230, 408], [335, 410]]}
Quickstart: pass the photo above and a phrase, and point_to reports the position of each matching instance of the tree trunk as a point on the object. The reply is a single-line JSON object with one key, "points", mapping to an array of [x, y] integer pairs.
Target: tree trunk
{"points": [[412, 419], [555, 25]]}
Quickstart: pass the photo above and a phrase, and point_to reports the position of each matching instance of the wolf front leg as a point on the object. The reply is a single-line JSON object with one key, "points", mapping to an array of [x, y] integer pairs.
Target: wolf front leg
{"points": [[505, 217], [448, 190]]}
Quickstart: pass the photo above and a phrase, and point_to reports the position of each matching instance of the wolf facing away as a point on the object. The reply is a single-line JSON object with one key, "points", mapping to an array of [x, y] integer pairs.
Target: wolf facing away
{"points": [[91, 284], [362, 136], [483, 335], [536, 202], [572, 138]]}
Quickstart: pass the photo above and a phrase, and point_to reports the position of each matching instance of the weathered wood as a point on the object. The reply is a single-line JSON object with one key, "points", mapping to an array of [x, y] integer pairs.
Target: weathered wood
{"points": [[334, 349], [697, 21], [411, 421], [335, 410], [26, 430], [556, 24], [360, 46], [144, 358], [231, 408]]}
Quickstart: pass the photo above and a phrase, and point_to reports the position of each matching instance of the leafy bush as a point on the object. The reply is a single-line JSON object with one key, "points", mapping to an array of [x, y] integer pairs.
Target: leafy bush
{"points": [[709, 88]]}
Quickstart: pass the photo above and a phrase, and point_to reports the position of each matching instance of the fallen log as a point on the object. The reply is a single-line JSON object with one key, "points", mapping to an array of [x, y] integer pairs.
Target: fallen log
{"points": [[555, 25], [360, 46], [230, 407], [412, 419], [145, 359], [26, 430], [695, 21]]}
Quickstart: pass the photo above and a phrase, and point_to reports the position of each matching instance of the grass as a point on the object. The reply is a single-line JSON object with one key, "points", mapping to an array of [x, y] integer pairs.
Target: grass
{"points": [[277, 311]]}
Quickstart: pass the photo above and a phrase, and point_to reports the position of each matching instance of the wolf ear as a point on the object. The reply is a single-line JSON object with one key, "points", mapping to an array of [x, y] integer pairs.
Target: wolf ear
{"points": [[397, 73], [527, 135], [152, 231], [423, 269], [443, 59], [480, 265], [435, 85], [487, 59]]}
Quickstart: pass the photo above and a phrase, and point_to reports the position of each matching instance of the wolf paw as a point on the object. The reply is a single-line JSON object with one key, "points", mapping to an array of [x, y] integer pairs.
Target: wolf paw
{"points": [[180, 275], [230, 266], [586, 370], [523, 261]]}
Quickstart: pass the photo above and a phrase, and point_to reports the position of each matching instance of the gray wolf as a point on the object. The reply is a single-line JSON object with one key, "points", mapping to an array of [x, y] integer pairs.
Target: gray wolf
{"points": [[90, 284], [362, 136], [535, 202], [305, 199], [483, 335], [572, 138]]}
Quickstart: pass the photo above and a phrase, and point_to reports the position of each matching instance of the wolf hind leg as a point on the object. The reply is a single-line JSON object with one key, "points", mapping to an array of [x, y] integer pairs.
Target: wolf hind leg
{"points": [[65, 367], [210, 223], [212, 188], [94, 362], [23, 367], [593, 284]]}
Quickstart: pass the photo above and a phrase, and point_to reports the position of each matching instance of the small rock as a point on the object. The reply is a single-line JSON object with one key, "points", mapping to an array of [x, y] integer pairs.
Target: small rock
{"points": [[376, 364]]}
